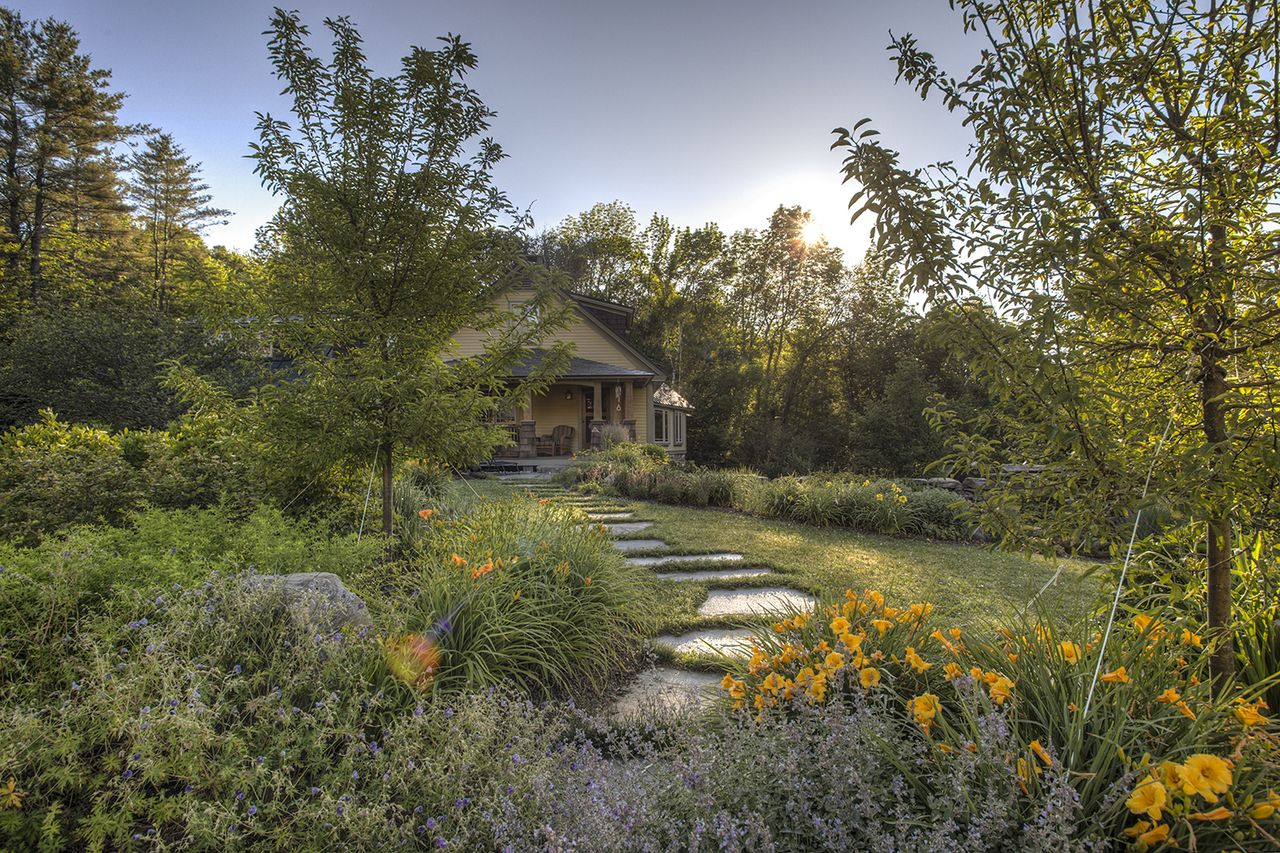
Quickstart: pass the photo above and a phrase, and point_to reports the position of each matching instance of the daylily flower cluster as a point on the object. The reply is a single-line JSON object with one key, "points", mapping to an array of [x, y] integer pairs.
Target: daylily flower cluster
{"points": [[1173, 790], [932, 679]]}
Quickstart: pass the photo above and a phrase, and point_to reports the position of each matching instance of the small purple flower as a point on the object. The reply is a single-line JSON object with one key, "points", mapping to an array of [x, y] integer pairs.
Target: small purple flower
{"points": [[314, 790], [253, 810], [461, 802], [355, 774], [515, 759], [448, 712], [188, 788], [417, 712], [235, 670], [239, 796], [339, 809], [417, 809], [431, 823], [128, 774], [440, 843], [75, 685]]}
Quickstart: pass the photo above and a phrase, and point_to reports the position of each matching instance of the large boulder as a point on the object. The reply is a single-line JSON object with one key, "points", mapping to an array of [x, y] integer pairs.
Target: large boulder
{"points": [[316, 599]]}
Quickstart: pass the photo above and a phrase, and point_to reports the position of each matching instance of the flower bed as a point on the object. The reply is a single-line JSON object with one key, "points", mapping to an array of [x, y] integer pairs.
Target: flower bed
{"points": [[822, 500]]}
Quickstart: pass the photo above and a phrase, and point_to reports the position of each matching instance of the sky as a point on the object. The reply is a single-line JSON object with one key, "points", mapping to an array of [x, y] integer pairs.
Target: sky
{"points": [[702, 110]]}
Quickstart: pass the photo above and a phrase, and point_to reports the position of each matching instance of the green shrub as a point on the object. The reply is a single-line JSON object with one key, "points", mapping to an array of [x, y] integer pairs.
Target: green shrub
{"points": [[85, 574], [54, 474], [840, 500]]}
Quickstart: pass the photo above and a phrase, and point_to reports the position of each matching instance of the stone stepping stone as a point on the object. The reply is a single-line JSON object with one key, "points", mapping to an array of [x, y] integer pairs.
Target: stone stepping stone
{"points": [[627, 527], [610, 516], [625, 545], [725, 641], [665, 690], [684, 558], [768, 601], [711, 574]]}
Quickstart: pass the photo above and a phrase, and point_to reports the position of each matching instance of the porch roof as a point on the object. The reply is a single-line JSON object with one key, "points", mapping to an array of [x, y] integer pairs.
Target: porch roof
{"points": [[579, 368]]}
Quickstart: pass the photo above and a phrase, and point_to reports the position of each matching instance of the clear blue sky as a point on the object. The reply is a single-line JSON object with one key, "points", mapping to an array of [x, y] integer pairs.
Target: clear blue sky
{"points": [[705, 110]]}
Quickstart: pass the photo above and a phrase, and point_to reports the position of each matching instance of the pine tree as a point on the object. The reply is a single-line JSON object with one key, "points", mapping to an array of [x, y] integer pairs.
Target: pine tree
{"points": [[171, 204]]}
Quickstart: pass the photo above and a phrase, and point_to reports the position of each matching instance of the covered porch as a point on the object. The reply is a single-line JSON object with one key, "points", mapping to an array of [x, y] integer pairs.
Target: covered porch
{"points": [[574, 413]]}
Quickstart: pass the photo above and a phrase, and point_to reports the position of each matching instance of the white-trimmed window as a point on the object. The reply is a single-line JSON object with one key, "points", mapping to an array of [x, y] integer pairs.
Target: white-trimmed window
{"points": [[677, 419], [660, 430]]}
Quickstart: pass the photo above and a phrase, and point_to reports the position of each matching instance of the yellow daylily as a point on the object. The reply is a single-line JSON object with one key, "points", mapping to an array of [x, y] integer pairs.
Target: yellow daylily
{"points": [[1149, 798], [1220, 813], [918, 663], [869, 678], [925, 708], [882, 625], [1206, 775], [1041, 752], [1249, 715], [1001, 689], [1070, 651], [1117, 676]]}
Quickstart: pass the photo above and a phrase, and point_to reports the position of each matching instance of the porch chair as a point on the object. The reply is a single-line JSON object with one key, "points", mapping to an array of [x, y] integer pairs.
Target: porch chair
{"points": [[562, 438]]}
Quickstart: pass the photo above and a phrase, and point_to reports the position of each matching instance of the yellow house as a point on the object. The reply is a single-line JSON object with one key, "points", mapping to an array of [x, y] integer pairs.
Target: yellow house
{"points": [[608, 386]]}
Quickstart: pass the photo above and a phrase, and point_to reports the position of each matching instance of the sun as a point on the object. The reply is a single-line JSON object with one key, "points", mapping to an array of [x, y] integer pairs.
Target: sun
{"points": [[811, 232]]}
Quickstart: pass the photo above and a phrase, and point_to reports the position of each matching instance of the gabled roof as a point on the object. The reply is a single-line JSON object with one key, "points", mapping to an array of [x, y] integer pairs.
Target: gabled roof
{"points": [[670, 398], [578, 302]]}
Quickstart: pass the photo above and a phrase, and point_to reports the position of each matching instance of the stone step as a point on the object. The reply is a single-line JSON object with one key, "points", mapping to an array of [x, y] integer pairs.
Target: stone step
{"points": [[667, 691], [626, 545], [610, 516], [684, 558], [627, 527], [724, 641], [765, 601], [711, 574]]}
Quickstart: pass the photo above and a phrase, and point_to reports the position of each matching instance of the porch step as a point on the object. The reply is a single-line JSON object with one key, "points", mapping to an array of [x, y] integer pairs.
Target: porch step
{"points": [[610, 516], [735, 642], [765, 601], [711, 574], [626, 545], [684, 558]]}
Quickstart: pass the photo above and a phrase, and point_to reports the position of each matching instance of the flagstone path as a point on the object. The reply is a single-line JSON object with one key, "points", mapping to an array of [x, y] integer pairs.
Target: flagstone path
{"points": [[668, 689]]}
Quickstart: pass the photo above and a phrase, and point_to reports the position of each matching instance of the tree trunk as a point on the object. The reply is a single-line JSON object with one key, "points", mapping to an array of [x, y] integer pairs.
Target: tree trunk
{"points": [[1223, 663], [1213, 393], [37, 234], [387, 476]]}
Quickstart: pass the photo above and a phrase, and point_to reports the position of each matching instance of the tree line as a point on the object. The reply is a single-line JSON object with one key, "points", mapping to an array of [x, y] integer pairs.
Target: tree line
{"points": [[795, 359]]}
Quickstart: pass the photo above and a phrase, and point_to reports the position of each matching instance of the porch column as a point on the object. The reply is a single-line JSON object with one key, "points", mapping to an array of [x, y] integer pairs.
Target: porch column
{"points": [[628, 413], [528, 430], [597, 422]]}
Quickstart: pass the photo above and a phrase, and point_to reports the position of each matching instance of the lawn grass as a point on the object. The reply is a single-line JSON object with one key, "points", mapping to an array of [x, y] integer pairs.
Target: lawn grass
{"points": [[969, 585]]}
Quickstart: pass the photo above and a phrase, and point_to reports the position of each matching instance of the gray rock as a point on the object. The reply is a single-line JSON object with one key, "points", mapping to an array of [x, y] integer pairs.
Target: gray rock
{"points": [[318, 599]]}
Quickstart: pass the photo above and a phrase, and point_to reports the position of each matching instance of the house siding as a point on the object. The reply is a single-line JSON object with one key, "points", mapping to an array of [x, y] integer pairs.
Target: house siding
{"points": [[589, 342]]}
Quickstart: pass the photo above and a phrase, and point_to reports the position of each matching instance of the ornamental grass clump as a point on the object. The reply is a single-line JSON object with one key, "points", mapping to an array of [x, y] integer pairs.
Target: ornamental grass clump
{"points": [[516, 591], [1159, 757]]}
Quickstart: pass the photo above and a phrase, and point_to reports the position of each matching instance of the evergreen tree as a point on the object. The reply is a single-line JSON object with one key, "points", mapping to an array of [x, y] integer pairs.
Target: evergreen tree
{"points": [[171, 204], [57, 128]]}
